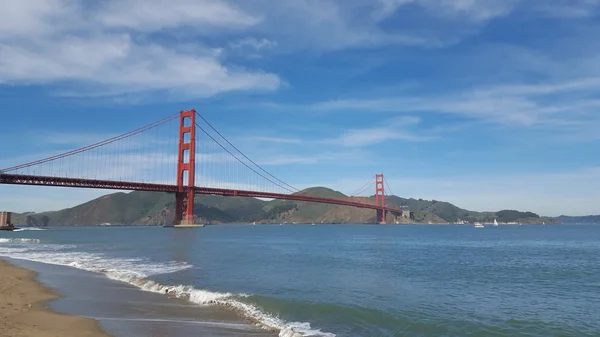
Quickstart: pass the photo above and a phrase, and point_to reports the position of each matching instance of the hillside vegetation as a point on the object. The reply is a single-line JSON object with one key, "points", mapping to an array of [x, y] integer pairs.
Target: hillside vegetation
{"points": [[152, 208], [579, 219]]}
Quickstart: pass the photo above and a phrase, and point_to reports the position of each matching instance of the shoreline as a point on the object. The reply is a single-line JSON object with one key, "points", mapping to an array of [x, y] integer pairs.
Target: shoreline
{"points": [[24, 308], [125, 309]]}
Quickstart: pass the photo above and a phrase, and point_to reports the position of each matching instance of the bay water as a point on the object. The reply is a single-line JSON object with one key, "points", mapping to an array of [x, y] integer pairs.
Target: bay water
{"points": [[347, 280]]}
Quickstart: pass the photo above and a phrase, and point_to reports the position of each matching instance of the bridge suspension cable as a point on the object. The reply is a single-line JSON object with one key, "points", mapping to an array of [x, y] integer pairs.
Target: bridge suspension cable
{"points": [[288, 187], [238, 159], [388, 188], [140, 160], [366, 186], [95, 145]]}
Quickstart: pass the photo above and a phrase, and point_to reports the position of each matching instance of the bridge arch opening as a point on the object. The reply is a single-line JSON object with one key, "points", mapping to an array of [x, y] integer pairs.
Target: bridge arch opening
{"points": [[186, 156], [187, 122]]}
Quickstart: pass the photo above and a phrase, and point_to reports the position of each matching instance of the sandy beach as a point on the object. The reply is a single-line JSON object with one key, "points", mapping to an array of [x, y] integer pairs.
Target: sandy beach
{"points": [[23, 309]]}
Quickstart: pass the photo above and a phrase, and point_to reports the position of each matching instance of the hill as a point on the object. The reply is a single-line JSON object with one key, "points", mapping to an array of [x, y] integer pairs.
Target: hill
{"points": [[579, 219], [152, 208]]}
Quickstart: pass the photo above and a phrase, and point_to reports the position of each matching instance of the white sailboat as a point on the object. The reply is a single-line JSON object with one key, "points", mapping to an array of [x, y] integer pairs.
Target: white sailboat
{"points": [[495, 222]]}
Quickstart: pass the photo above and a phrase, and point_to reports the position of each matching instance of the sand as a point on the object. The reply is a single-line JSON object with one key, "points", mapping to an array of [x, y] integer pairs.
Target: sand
{"points": [[24, 312]]}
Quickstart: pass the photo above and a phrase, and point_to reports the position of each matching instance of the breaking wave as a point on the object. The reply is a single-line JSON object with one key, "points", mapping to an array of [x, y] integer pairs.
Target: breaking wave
{"points": [[135, 271], [17, 240], [227, 300]]}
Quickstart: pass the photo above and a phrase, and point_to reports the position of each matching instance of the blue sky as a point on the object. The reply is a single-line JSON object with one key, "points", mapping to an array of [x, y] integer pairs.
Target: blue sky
{"points": [[486, 104]]}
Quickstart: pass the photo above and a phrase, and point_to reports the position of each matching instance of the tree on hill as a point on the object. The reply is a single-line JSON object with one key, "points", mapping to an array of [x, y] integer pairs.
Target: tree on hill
{"points": [[511, 215]]}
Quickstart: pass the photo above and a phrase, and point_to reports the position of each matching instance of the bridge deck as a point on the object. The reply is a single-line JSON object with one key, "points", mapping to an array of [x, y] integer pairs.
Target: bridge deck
{"points": [[18, 179]]}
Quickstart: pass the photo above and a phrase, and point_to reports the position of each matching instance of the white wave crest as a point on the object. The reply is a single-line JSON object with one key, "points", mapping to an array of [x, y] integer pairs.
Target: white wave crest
{"points": [[228, 300], [297, 329], [17, 240], [136, 272], [28, 229]]}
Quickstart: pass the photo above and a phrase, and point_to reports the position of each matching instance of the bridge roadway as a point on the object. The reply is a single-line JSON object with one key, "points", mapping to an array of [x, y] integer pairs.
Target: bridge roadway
{"points": [[19, 179]]}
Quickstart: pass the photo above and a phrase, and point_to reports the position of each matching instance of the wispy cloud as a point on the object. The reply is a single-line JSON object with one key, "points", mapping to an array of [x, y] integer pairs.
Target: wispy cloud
{"points": [[569, 9], [70, 138], [530, 105], [319, 158], [548, 192], [403, 128], [253, 43], [571, 192], [281, 140], [477, 10], [156, 15], [115, 51]]}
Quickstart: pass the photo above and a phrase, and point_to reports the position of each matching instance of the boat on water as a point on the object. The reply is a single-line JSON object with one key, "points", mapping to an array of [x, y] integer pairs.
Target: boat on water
{"points": [[478, 225], [495, 222]]}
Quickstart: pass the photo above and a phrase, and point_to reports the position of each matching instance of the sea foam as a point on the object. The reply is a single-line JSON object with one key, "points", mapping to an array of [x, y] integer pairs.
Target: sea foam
{"points": [[136, 271], [18, 240], [28, 229]]}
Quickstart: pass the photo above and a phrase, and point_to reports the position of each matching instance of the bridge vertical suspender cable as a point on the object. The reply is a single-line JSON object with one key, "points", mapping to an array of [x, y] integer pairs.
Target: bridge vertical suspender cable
{"points": [[125, 162], [367, 185], [294, 189], [389, 188], [95, 145], [242, 162]]}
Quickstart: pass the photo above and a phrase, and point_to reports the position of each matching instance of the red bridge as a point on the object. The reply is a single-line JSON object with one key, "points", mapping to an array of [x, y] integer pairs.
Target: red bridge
{"points": [[116, 163]]}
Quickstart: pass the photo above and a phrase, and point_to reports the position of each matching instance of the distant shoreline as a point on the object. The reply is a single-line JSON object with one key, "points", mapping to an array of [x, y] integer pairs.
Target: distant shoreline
{"points": [[316, 224]]}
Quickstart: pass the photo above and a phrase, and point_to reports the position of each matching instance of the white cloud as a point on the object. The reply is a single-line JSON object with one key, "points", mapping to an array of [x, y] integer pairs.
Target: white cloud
{"points": [[477, 10], [90, 57], [398, 129], [327, 25], [485, 10], [545, 105], [20, 19], [569, 9], [252, 47], [254, 43], [116, 62], [152, 15], [111, 48]]}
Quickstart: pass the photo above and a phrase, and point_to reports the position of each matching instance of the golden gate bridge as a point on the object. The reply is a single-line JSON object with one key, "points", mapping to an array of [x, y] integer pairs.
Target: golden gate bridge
{"points": [[143, 160]]}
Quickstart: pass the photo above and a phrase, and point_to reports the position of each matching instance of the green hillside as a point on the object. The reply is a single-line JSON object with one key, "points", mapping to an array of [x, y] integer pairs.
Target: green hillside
{"points": [[322, 192], [151, 208]]}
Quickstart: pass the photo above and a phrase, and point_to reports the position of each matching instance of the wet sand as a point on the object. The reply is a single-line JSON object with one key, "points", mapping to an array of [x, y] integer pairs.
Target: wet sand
{"points": [[24, 312], [123, 310]]}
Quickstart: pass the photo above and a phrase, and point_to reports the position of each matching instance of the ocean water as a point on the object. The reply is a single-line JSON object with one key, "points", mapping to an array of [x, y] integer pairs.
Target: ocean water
{"points": [[351, 280]]}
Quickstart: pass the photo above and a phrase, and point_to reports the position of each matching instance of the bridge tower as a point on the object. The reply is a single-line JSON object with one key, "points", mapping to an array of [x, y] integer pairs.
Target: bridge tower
{"points": [[380, 198], [186, 169]]}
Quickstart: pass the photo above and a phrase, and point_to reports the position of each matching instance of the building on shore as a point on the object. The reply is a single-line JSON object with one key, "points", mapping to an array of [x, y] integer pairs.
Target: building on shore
{"points": [[5, 220]]}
